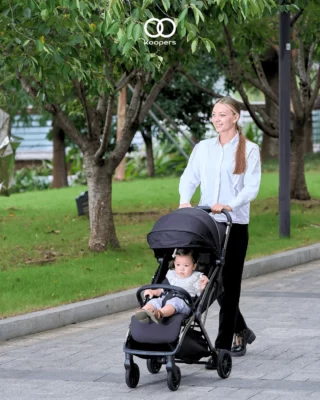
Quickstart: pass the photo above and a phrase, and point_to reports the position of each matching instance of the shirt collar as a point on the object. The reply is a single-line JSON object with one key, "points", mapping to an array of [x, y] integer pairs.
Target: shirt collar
{"points": [[234, 140]]}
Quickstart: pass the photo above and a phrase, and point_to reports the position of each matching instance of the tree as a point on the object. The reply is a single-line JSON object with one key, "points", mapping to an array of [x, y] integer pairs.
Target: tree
{"points": [[89, 51]]}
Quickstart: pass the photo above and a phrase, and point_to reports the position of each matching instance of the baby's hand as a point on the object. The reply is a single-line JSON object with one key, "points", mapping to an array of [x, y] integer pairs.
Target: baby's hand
{"points": [[148, 292], [152, 292], [203, 282]]}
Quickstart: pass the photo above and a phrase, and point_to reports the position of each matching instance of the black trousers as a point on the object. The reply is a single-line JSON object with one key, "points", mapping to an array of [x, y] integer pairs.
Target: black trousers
{"points": [[230, 318]]}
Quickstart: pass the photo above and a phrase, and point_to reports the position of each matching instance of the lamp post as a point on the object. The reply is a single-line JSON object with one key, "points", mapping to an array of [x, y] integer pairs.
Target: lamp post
{"points": [[284, 124]]}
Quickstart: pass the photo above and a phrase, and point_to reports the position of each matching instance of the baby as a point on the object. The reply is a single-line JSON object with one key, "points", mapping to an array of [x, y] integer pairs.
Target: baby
{"points": [[184, 276]]}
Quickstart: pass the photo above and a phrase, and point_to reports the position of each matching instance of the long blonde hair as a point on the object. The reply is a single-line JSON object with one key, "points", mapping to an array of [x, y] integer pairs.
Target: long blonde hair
{"points": [[241, 164]]}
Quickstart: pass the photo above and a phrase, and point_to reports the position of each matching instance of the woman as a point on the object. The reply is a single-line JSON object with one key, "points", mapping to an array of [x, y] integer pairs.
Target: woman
{"points": [[228, 169]]}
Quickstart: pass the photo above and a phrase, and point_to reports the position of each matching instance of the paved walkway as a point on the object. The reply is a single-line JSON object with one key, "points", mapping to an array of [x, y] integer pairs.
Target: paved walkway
{"points": [[85, 361]]}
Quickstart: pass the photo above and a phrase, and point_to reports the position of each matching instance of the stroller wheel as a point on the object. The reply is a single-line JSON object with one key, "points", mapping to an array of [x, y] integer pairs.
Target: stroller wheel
{"points": [[172, 381], [224, 364], [153, 365], [132, 376]]}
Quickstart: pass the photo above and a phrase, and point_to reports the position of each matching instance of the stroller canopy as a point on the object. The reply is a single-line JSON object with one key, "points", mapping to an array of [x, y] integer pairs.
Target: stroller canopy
{"points": [[187, 227]]}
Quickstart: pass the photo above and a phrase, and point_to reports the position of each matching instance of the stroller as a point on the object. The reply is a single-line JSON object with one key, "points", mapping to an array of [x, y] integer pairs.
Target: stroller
{"points": [[181, 338]]}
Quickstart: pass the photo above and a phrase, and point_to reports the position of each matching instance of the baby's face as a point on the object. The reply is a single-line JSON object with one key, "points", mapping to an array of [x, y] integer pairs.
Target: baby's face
{"points": [[184, 266]]}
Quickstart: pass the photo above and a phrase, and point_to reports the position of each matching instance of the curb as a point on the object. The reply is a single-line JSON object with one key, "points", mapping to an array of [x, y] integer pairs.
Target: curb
{"points": [[58, 317]]}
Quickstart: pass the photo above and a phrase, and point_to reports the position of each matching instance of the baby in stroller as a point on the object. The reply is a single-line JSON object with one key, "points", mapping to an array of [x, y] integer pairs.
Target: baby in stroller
{"points": [[183, 275], [190, 237]]}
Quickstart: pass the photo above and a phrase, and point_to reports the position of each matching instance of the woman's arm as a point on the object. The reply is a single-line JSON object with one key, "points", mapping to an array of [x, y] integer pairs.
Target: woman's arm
{"points": [[190, 178]]}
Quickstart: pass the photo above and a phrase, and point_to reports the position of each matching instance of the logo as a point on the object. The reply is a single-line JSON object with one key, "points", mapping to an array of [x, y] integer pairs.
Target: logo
{"points": [[160, 29]]}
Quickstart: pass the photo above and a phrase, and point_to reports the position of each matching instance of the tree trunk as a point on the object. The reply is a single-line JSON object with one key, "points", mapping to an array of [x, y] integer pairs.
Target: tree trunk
{"points": [[270, 145], [298, 184], [121, 119], [149, 154], [103, 232], [60, 173], [308, 136]]}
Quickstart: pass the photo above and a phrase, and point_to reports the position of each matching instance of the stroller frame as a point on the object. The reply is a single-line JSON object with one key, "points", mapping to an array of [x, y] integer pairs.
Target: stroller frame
{"points": [[220, 360]]}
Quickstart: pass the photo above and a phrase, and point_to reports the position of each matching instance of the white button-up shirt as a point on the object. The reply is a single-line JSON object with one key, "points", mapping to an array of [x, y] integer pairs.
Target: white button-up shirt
{"points": [[211, 165]]}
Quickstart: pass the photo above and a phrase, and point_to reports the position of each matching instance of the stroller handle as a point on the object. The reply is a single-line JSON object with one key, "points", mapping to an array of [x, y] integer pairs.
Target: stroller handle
{"points": [[166, 287], [223, 211]]}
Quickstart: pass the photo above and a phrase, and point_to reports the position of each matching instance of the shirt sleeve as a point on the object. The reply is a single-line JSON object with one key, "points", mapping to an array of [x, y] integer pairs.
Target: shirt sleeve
{"points": [[252, 178], [190, 179]]}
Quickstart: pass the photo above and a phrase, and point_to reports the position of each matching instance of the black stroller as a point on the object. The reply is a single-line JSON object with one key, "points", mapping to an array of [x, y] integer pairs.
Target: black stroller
{"points": [[180, 338]]}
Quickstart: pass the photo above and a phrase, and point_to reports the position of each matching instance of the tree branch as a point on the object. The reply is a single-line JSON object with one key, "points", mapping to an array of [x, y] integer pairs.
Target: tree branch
{"points": [[82, 97], [156, 89], [257, 108], [267, 126], [266, 89], [106, 131], [314, 94], [130, 126], [108, 74], [302, 73], [63, 120], [295, 94], [102, 104], [197, 85], [310, 57], [295, 17], [125, 79]]}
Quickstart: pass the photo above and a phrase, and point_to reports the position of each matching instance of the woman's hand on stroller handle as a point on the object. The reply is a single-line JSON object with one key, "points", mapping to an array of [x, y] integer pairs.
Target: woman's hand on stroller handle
{"points": [[185, 205], [218, 207], [225, 209]]}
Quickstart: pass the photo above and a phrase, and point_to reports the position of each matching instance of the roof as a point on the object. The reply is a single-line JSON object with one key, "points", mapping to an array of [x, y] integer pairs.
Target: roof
{"points": [[34, 144]]}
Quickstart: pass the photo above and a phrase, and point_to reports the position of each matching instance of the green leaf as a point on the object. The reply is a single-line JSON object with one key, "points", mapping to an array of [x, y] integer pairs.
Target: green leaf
{"points": [[120, 33], [128, 46], [27, 13], [166, 4], [26, 43], [98, 42], [213, 47], [44, 13], [113, 28], [194, 45], [183, 14], [130, 29], [225, 19], [191, 36], [123, 40], [195, 13], [137, 32], [149, 14], [207, 45], [183, 32], [39, 45]]}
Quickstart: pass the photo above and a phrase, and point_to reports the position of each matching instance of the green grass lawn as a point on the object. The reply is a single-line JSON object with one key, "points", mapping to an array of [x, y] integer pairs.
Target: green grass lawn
{"points": [[44, 257]]}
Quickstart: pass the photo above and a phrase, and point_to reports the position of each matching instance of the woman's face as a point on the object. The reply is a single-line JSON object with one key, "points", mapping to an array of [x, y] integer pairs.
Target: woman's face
{"points": [[224, 118], [184, 266]]}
